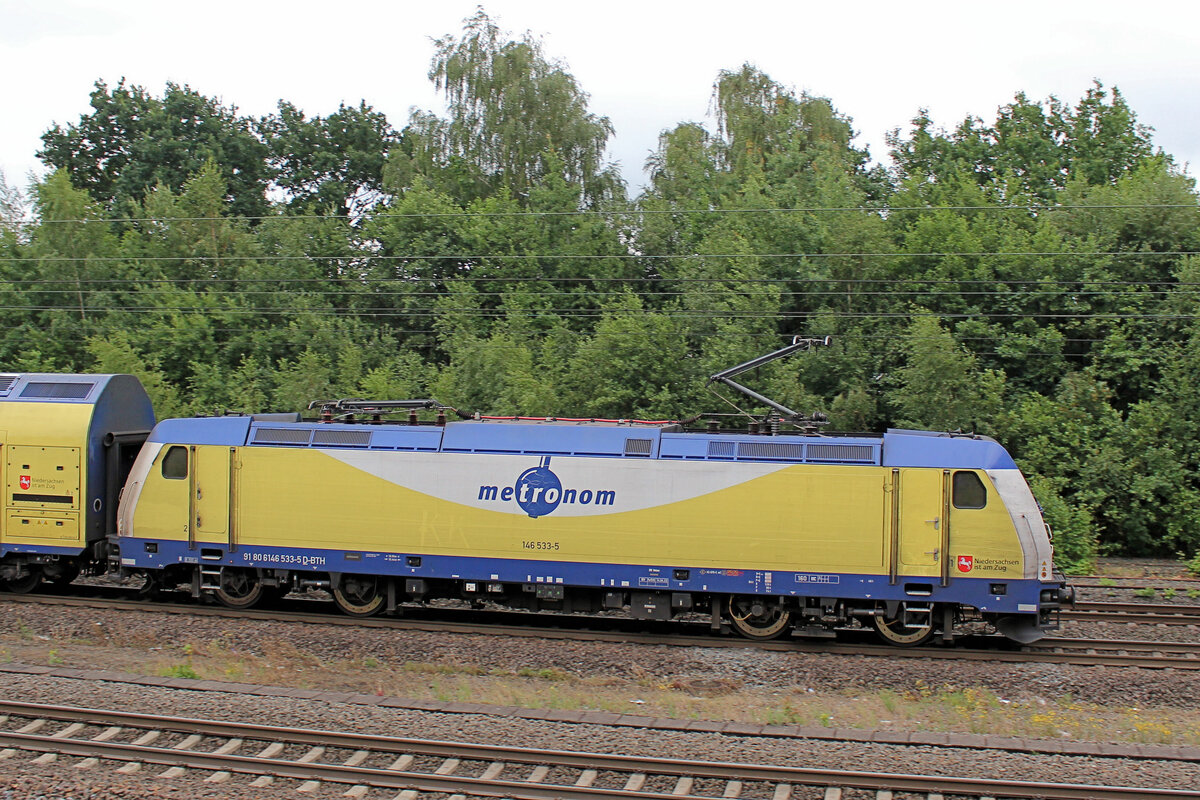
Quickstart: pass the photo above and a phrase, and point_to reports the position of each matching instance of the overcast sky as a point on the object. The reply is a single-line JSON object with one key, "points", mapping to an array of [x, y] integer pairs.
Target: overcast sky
{"points": [[647, 65]]}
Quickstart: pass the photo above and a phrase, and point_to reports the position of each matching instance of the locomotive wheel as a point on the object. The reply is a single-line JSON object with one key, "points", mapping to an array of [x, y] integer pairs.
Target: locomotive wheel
{"points": [[898, 633], [756, 618], [239, 588], [24, 584], [359, 595]]}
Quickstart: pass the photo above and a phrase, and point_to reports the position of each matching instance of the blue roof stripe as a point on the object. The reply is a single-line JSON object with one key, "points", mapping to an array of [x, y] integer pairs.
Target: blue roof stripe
{"points": [[926, 449], [895, 449]]}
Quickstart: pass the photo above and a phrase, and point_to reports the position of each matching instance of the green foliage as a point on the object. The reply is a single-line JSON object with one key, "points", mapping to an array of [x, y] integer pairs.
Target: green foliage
{"points": [[1032, 150], [1026, 277], [940, 386], [131, 142], [1076, 544], [179, 671], [515, 118], [335, 162], [12, 207]]}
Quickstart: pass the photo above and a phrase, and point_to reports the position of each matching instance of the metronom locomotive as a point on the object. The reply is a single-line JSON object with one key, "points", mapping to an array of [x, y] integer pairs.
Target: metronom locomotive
{"points": [[913, 534]]}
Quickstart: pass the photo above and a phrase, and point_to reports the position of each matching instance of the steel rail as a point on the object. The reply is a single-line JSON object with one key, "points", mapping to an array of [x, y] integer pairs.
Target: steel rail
{"points": [[1144, 613], [638, 768], [1081, 652], [1128, 645]]}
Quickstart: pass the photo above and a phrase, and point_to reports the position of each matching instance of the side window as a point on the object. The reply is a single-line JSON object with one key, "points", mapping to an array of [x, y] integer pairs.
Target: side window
{"points": [[969, 491], [175, 463]]}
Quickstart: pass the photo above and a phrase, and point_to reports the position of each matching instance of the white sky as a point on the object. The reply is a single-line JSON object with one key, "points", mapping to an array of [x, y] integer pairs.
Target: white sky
{"points": [[648, 65]]}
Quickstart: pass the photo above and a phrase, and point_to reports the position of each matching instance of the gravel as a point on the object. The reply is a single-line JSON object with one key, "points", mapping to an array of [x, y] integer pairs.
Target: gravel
{"points": [[568, 736], [747, 668]]}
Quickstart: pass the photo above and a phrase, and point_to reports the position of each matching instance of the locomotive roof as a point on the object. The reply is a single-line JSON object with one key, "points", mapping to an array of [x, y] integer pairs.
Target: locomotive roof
{"points": [[620, 439]]}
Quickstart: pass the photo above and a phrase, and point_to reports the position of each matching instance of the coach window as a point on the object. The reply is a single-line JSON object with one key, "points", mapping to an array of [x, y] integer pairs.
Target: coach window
{"points": [[969, 491], [174, 463]]}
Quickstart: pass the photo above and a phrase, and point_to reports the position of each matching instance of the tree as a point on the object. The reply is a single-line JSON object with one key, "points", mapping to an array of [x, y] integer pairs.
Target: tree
{"points": [[329, 162], [131, 142], [511, 109], [12, 206], [1031, 151], [940, 387]]}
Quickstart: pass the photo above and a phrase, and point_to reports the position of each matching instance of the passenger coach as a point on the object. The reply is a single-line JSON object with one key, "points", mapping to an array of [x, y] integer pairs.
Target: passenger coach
{"points": [[67, 442]]}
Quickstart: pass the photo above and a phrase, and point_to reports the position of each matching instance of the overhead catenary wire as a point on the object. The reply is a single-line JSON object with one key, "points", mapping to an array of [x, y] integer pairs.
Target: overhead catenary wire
{"points": [[586, 313], [461, 257], [1028, 208]]}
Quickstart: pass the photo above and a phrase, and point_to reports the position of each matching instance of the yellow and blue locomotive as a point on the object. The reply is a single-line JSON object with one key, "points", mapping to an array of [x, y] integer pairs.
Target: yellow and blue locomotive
{"points": [[911, 533]]}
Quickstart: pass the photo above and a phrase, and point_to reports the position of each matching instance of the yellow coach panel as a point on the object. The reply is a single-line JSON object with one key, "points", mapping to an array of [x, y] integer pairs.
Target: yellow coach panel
{"points": [[795, 517], [42, 471], [844, 519], [42, 527]]}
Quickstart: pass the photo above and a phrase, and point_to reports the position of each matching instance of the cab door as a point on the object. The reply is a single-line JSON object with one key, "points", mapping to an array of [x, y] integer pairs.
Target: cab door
{"points": [[918, 498], [210, 493], [4, 502]]}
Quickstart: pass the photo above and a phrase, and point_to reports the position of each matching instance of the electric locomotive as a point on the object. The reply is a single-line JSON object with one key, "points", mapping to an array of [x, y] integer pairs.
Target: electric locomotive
{"points": [[913, 534]]}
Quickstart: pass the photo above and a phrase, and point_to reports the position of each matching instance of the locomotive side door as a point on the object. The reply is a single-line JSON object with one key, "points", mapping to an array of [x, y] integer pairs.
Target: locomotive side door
{"points": [[3, 487], [210, 493], [918, 507]]}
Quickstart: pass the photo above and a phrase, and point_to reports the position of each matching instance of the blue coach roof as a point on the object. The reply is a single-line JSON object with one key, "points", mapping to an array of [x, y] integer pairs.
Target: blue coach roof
{"points": [[53, 388]]}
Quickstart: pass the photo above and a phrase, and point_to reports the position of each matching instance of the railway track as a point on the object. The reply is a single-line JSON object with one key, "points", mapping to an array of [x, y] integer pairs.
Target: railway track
{"points": [[1089, 652], [1140, 613], [167, 747]]}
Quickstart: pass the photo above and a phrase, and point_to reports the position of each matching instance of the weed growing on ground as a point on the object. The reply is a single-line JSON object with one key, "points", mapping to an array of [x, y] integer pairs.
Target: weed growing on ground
{"points": [[179, 671], [549, 674]]}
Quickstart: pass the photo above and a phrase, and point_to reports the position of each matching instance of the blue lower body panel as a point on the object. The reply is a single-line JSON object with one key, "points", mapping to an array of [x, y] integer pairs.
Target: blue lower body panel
{"points": [[1019, 596]]}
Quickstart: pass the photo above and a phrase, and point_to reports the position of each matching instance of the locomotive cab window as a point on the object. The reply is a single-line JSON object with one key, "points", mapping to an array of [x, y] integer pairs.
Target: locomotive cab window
{"points": [[175, 463], [969, 491]]}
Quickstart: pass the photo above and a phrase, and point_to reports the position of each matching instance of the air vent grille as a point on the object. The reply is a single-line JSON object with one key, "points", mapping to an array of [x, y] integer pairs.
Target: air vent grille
{"points": [[841, 452], [57, 391], [282, 436], [771, 451], [638, 447], [6, 383], [345, 438], [720, 449]]}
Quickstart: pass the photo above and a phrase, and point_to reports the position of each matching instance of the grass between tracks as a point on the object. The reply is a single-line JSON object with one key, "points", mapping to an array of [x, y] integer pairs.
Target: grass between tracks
{"points": [[940, 708]]}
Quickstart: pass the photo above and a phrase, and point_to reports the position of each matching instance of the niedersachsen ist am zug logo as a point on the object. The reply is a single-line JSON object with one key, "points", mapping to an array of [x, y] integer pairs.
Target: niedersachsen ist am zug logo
{"points": [[538, 491]]}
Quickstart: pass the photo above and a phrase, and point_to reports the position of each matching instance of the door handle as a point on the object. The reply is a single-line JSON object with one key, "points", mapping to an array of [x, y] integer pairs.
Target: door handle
{"points": [[935, 552], [937, 522]]}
